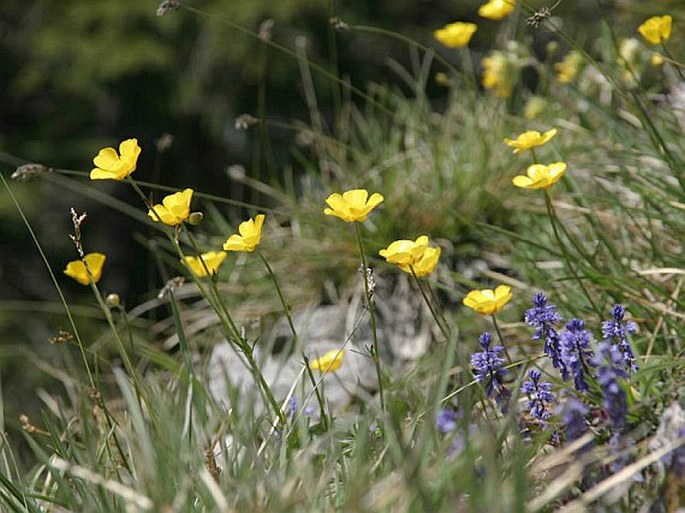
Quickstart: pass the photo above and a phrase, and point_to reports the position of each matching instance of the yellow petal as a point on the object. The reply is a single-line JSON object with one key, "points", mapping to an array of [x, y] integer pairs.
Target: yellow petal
{"points": [[107, 158]]}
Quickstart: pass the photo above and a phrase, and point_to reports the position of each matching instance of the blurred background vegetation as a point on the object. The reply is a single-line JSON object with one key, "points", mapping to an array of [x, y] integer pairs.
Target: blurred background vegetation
{"points": [[76, 76]]}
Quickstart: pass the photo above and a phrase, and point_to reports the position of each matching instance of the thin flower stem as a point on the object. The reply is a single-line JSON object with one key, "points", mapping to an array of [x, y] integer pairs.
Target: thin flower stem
{"points": [[674, 62], [317, 391], [535, 157], [128, 364], [554, 220], [438, 319], [281, 296], [372, 313], [91, 379], [221, 309], [501, 339]]}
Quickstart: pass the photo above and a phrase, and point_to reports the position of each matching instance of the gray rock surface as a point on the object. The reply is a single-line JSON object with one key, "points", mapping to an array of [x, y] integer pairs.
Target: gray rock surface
{"points": [[404, 329]]}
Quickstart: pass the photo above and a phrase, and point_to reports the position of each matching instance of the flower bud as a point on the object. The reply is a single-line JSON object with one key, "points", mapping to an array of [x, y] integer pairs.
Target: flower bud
{"points": [[113, 300], [195, 218]]}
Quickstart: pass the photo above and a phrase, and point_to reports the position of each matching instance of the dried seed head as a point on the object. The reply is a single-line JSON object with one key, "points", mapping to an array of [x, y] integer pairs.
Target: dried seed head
{"points": [[244, 121], [26, 424], [29, 172], [62, 337], [77, 220], [339, 24], [170, 286], [167, 6], [539, 16]]}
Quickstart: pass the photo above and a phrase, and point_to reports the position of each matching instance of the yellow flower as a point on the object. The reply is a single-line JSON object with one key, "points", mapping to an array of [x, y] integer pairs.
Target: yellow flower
{"points": [[530, 139], [499, 74], [569, 67], [330, 362], [656, 29], [497, 9], [78, 271], [488, 301], [352, 205], [541, 176], [112, 166], [656, 59], [408, 254], [455, 35], [212, 261], [426, 262], [249, 238], [175, 208]]}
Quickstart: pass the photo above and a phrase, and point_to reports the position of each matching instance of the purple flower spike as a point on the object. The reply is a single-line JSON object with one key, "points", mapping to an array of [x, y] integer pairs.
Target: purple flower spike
{"points": [[487, 367], [610, 368], [541, 317], [574, 419], [616, 331], [576, 352], [540, 396]]}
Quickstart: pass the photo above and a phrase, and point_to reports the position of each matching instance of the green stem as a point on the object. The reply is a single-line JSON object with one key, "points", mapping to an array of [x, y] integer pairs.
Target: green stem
{"points": [[674, 62], [443, 327], [554, 220], [372, 313], [281, 296], [501, 338]]}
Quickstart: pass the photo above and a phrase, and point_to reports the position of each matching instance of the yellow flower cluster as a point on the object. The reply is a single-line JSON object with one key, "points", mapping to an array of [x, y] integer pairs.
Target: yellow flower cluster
{"points": [[415, 257]]}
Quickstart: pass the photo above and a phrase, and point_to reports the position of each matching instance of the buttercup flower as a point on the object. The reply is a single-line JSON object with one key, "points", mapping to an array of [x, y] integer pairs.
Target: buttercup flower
{"points": [[330, 362], [499, 74], [212, 261], [427, 262], [488, 301], [656, 29], [110, 165], [408, 254], [540, 176], [249, 238], [77, 269], [530, 139], [175, 208], [569, 67], [455, 35], [497, 9], [353, 205]]}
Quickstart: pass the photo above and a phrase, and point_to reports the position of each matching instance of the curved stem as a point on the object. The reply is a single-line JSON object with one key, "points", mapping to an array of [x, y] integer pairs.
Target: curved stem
{"points": [[501, 339], [372, 313], [281, 296], [554, 220], [438, 319]]}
